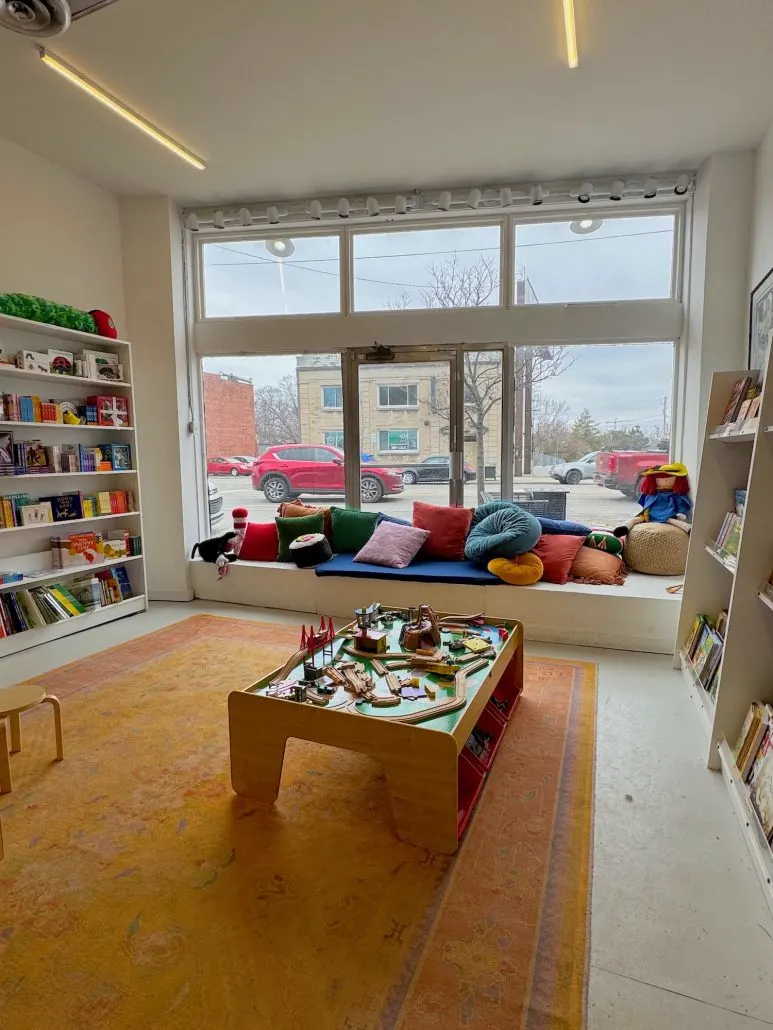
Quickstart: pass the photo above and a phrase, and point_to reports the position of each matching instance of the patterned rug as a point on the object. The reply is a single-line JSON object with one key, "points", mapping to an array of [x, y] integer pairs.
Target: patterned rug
{"points": [[138, 891]]}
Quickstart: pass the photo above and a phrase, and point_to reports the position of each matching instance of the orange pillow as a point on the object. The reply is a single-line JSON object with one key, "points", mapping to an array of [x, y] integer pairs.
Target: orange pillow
{"points": [[448, 529], [297, 510], [557, 552], [593, 566]]}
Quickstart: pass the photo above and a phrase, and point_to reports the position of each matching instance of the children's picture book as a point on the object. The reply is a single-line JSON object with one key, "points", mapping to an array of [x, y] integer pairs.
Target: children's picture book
{"points": [[762, 795], [6, 454], [751, 735], [36, 514], [739, 497], [118, 454], [61, 362], [35, 459], [35, 361], [737, 397], [65, 507], [122, 578]]}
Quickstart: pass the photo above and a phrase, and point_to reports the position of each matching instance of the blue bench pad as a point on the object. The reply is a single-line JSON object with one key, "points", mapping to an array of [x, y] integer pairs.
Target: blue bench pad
{"points": [[424, 570]]}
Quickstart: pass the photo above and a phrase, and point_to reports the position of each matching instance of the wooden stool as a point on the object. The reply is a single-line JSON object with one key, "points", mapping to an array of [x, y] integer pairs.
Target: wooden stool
{"points": [[14, 701]]}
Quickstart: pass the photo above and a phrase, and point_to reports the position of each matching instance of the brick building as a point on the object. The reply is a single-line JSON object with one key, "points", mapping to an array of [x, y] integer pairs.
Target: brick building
{"points": [[229, 415]]}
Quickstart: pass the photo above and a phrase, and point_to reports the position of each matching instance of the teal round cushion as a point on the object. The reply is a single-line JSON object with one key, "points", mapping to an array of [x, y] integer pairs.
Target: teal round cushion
{"points": [[505, 531]]}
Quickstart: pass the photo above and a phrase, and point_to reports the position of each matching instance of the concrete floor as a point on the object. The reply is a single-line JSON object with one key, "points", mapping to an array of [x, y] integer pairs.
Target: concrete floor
{"points": [[681, 935]]}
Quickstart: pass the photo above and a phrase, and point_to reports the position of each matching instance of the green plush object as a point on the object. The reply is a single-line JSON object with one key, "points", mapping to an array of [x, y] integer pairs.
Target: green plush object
{"points": [[351, 529], [604, 540], [36, 309], [290, 529]]}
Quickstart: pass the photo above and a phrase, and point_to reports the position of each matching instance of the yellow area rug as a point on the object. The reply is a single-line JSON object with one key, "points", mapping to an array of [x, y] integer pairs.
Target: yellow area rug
{"points": [[138, 891]]}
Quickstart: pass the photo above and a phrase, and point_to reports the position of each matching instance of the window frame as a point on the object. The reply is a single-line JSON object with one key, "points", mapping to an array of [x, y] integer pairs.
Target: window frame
{"points": [[327, 443], [408, 450], [331, 407], [397, 407]]}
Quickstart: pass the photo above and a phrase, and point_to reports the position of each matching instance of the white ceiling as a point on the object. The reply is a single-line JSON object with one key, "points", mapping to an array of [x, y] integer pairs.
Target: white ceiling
{"points": [[287, 98]]}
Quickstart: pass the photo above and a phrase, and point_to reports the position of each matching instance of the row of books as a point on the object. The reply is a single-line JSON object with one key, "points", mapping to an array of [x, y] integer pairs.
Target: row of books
{"points": [[89, 364], [31, 457], [744, 403], [753, 757], [21, 510], [36, 607], [729, 536], [91, 549], [99, 410], [703, 649]]}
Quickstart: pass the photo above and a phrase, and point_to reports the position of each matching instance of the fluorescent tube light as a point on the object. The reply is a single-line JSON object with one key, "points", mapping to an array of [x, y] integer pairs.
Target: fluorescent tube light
{"points": [[117, 107], [571, 34]]}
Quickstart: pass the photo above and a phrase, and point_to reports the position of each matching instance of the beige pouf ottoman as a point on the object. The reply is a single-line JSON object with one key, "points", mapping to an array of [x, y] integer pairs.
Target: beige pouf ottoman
{"points": [[656, 549]]}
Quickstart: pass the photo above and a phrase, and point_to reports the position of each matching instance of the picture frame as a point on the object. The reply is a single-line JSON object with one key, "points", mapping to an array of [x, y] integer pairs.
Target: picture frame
{"points": [[761, 322]]}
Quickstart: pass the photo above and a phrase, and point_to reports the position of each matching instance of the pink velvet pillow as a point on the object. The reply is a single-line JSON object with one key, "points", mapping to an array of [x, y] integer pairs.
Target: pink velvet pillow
{"points": [[261, 542], [447, 527], [557, 554], [392, 545]]}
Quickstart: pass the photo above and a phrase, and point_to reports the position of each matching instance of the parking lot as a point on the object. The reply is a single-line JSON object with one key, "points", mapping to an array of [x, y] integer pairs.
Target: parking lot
{"points": [[592, 505]]}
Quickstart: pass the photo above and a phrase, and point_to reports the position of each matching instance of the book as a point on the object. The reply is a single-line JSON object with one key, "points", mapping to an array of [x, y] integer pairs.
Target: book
{"points": [[7, 460], [118, 454], [766, 746], [60, 362], [36, 514], [737, 397], [63, 595], [35, 361], [88, 592], [122, 578], [750, 738], [739, 498], [733, 539], [65, 507], [762, 795], [35, 459], [695, 632]]}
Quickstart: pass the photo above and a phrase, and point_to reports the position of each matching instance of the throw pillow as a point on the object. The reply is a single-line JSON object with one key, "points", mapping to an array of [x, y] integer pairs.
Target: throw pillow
{"points": [[520, 572], [392, 545], [393, 518], [261, 542], [604, 540], [351, 529], [448, 529], [562, 527], [593, 566], [291, 529], [506, 533], [557, 552], [298, 510]]}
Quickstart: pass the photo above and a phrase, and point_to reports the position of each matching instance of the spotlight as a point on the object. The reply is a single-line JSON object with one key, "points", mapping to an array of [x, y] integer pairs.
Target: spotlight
{"points": [[315, 210], [280, 248], [585, 226], [586, 193], [192, 222], [272, 214], [372, 207], [617, 189], [219, 220], [401, 205], [344, 210], [473, 198], [682, 185], [650, 188], [537, 195], [505, 196], [444, 201], [245, 216]]}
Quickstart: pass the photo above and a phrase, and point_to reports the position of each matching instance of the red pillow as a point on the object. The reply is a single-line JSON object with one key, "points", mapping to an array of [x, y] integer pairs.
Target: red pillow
{"points": [[261, 542], [557, 554], [448, 529]]}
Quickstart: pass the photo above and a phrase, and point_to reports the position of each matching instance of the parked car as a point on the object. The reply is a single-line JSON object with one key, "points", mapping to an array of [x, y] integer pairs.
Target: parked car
{"points": [[215, 505], [624, 470], [436, 469], [286, 471], [235, 466], [573, 472]]}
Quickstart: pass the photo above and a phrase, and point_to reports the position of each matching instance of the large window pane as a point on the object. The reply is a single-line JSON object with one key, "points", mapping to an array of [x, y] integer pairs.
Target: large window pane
{"points": [[589, 419], [427, 268], [482, 424], [593, 259], [298, 275]]}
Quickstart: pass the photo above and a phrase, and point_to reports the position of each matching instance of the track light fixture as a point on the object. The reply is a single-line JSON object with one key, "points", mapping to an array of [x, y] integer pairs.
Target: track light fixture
{"points": [[371, 206], [344, 208], [586, 193], [315, 210], [245, 216], [192, 222], [219, 220], [474, 198], [617, 189], [272, 214], [505, 196], [650, 188], [444, 200], [682, 185], [537, 195], [401, 205]]}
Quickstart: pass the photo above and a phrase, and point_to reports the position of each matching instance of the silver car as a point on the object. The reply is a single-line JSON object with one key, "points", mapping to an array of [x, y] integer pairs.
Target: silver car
{"points": [[573, 472], [215, 505]]}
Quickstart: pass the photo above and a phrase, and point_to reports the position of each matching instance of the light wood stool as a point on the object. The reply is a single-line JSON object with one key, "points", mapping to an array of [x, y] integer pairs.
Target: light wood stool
{"points": [[14, 701]]}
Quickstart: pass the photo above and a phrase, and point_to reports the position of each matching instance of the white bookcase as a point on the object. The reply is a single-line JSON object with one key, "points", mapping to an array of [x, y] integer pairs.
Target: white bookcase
{"points": [[27, 548], [740, 459]]}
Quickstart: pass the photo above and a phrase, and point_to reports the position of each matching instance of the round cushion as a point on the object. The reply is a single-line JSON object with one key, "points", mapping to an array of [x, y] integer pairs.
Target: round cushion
{"points": [[505, 532], [604, 540], [521, 571], [310, 549], [656, 549]]}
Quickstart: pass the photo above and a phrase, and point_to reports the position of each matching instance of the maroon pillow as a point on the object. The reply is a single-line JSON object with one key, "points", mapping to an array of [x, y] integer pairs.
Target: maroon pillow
{"points": [[557, 553], [261, 542], [448, 529]]}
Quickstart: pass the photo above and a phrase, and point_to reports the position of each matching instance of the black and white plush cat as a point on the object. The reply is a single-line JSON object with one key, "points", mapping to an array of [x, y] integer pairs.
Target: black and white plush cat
{"points": [[216, 547]]}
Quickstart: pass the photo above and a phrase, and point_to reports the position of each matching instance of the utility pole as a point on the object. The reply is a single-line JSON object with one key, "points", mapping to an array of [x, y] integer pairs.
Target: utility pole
{"points": [[665, 417]]}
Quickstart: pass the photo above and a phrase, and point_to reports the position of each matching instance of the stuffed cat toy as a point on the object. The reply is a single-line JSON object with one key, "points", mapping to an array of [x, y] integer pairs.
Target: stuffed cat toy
{"points": [[218, 550]]}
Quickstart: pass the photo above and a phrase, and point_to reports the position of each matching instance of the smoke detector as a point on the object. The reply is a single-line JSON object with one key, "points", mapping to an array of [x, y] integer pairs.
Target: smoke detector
{"points": [[40, 19]]}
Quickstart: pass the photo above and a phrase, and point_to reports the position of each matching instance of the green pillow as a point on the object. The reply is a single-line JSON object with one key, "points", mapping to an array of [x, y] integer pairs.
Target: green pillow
{"points": [[290, 529], [604, 540], [351, 529]]}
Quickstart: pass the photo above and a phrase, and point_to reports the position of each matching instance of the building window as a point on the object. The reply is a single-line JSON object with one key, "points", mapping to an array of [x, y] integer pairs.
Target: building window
{"points": [[405, 441], [398, 396], [334, 438], [333, 397]]}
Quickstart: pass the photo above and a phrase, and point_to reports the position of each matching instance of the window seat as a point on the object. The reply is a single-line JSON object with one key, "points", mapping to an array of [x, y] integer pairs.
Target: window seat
{"points": [[427, 570]]}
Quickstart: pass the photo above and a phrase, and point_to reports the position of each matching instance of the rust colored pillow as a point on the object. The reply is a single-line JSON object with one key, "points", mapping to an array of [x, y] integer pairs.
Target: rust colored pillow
{"points": [[448, 529], [599, 567], [297, 510], [557, 553]]}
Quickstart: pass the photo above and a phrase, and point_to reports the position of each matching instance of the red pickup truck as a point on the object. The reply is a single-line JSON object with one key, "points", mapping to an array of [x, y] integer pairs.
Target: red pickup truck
{"points": [[624, 470]]}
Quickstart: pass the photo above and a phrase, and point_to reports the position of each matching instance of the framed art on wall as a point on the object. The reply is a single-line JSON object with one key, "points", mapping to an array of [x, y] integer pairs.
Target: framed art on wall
{"points": [[761, 321]]}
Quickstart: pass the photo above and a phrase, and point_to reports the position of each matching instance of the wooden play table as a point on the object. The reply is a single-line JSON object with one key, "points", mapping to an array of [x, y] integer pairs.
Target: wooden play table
{"points": [[434, 776]]}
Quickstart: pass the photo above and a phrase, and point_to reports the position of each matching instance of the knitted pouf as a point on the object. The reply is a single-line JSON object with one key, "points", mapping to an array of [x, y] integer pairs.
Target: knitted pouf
{"points": [[656, 549]]}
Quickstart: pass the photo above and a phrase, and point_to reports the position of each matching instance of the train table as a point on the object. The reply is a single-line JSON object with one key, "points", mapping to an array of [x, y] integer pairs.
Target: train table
{"points": [[431, 708]]}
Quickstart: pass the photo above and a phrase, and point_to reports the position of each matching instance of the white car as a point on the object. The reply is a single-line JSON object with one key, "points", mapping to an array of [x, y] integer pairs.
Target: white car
{"points": [[573, 472]]}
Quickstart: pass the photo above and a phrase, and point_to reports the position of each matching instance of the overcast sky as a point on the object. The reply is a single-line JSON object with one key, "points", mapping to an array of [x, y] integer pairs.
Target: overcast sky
{"points": [[622, 259]]}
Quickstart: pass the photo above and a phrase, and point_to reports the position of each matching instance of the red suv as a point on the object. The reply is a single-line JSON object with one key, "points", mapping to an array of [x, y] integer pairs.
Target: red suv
{"points": [[288, 470]]}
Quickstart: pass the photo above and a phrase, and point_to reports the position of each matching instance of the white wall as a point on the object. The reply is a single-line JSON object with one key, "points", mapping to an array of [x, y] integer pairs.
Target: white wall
{"points": [[762, 228], [60, 237]]}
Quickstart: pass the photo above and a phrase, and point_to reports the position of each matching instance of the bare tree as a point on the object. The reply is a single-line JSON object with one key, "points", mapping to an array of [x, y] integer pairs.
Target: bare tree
{"points": [[550, 427], [277, 412]]}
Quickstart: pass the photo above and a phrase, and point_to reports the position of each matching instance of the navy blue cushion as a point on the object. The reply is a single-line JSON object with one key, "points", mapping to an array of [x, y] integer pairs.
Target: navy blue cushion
{"points": [[504, 533], [392, 518], [560, 527], [425, 570]]}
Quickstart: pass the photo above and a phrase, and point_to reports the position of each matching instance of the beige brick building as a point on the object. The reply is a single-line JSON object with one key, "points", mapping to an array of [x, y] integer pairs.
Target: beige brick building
{"points": [[403, 411]]}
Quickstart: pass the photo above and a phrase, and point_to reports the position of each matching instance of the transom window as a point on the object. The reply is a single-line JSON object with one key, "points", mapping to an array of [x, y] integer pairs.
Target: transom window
{"points": [[398, 396], [398, 440], [332, 397]]}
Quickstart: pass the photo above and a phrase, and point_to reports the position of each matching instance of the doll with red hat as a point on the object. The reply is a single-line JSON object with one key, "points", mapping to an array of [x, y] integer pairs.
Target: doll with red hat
{"points": [[664, 498]]}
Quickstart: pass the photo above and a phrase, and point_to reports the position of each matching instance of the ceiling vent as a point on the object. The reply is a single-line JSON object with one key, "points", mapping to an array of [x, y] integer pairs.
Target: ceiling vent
{"points": [[41, 19]]}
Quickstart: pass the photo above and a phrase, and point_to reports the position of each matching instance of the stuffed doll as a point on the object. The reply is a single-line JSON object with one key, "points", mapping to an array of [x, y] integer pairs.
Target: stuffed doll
{"points": [[665, 497], [218, 550]]}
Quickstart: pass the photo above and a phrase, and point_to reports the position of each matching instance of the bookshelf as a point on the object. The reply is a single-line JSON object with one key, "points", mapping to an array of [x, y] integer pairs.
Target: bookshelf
{"points": [[713, 583], [27, 549]]}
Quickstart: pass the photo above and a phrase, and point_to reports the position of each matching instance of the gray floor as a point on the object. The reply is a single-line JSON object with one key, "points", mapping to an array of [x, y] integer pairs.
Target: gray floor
{"points": [[681, 935]]}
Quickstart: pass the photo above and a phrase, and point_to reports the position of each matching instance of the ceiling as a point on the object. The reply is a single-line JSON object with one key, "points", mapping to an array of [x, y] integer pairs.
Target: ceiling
{"points": [[290, 99]]}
